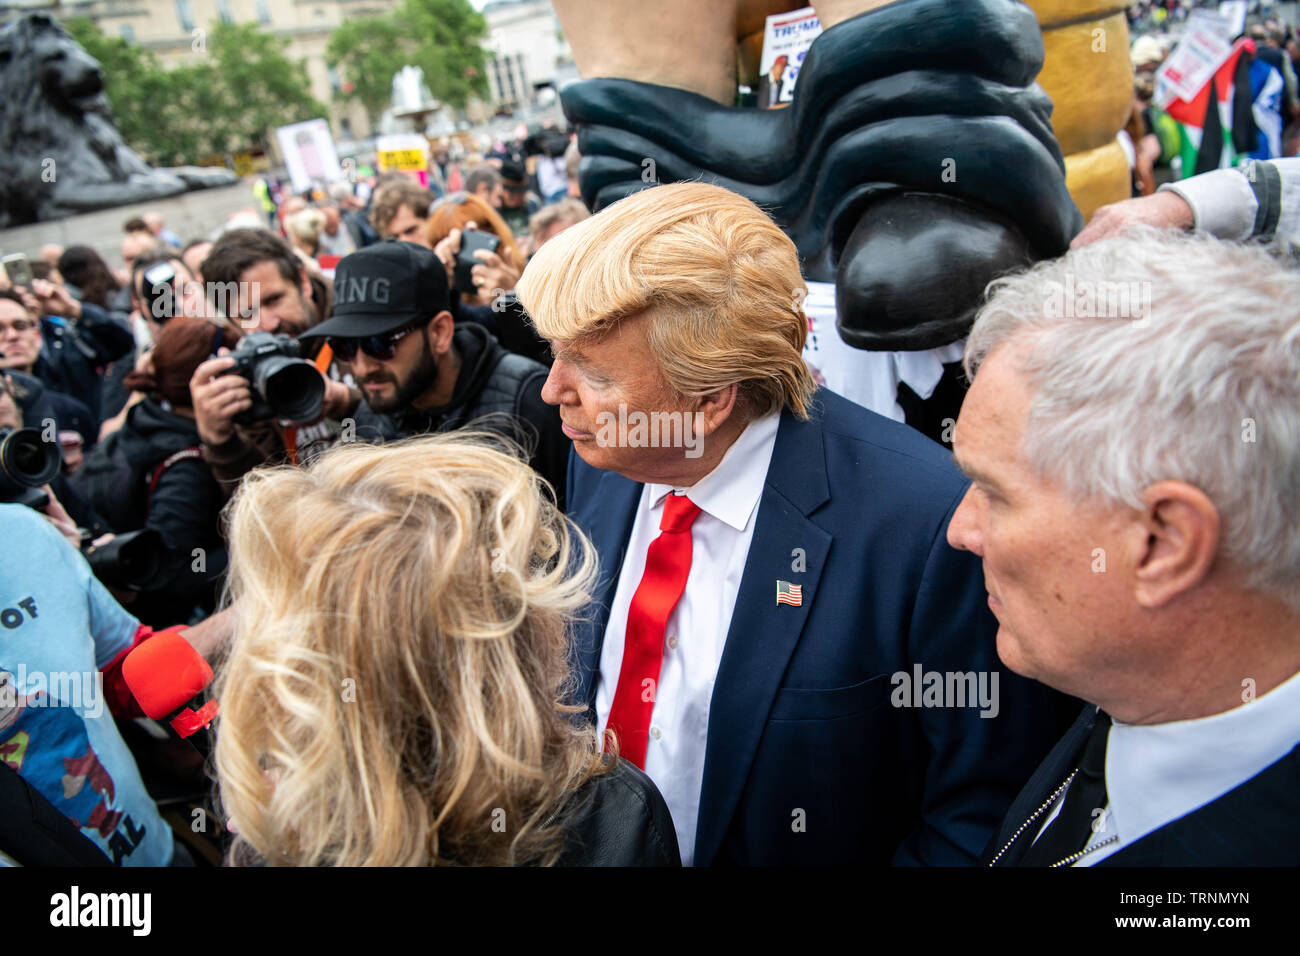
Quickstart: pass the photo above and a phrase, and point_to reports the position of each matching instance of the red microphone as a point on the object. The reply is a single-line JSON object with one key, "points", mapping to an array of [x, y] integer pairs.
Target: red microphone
{"points": [[167, 677]]}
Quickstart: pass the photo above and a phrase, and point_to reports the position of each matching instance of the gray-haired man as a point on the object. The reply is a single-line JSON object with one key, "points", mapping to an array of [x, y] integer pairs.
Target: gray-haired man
{"points": [[1136, 493]]}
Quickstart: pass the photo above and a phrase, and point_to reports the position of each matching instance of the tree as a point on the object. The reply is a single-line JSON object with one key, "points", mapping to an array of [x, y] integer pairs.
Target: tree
{"points": [[256, 87], [442, 37], [369, 51], [450, 51], [225, 99]]}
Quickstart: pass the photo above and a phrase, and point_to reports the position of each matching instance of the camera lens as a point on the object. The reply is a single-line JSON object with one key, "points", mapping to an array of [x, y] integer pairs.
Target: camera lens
{"points": [[130, 561], [292, 387], [26, 460]]}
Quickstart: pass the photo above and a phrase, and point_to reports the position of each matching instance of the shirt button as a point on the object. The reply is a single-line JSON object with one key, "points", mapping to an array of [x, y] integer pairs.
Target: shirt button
{"points": [[672, 643], [656, 733]]}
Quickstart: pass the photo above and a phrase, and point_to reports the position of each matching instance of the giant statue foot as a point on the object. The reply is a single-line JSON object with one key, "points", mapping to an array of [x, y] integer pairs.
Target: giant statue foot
{"points": [[921, 117]]}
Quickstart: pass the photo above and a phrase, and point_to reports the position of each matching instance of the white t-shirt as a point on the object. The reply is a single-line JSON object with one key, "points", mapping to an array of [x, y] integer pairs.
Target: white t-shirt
{"points": [[58, 627]]}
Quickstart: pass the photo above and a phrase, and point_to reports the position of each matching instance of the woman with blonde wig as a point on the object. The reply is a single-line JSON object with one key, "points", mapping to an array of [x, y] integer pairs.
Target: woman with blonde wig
{"points": [[393, 693]]}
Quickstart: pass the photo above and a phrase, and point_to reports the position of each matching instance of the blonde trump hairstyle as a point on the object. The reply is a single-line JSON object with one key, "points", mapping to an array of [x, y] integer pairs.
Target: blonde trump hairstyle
{"points": [[393, 693], [718, 282]]}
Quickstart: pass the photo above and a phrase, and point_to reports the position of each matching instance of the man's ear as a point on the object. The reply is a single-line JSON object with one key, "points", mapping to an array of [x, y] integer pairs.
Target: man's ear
{"points": [[305, 283], [1182, 540], [717, 408], [441, 330]]}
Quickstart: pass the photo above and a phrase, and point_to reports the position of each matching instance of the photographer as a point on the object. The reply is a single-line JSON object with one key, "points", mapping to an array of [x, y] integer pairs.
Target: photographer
{"points": [[420, 372], [265, 289], [482, 276], [20, 348], [75, 340], [25, 402], [151, 474], [161, 287]]}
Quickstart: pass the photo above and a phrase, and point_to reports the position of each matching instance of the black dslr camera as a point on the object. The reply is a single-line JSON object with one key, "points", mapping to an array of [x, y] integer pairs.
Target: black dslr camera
{"points": [[26, 463], [130, 561], [285, 386]]}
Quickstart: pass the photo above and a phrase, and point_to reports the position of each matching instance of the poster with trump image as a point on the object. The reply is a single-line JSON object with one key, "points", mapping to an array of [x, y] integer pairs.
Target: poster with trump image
{"points": [[786, 39]]}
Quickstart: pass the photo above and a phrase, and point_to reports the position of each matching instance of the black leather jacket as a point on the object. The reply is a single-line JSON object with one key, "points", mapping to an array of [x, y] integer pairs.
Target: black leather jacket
{"points": [[621, 820]]}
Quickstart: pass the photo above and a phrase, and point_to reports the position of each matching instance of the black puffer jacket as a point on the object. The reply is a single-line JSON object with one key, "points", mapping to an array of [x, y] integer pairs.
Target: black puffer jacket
{"points": [[182, 502], [497, 391], [508, 322]]}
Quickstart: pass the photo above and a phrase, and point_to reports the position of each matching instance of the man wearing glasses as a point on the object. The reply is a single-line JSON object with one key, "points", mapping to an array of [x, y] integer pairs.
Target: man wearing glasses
{"points": [[20, 352], [420, 372]]}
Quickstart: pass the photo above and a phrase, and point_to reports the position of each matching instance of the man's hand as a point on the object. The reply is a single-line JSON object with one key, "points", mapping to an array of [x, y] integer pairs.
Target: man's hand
{"points": [[340, 401], [58, 517], [111, 425], [55, 300], [218, 399], [446, 251], [495, 274], [211, 636], [1165, 210]]}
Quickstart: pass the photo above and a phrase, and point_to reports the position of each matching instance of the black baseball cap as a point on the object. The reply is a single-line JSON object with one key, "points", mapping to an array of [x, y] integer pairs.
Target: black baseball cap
{"points": [[383, 287], [514, 176]]}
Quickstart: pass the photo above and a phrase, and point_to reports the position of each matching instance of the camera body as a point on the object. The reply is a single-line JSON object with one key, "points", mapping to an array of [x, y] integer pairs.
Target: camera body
{"points": [[285, 386], [158, 291], [471, 241], [129, 562]]}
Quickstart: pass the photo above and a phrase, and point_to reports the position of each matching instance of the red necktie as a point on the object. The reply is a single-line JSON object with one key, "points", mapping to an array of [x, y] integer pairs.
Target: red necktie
{"points": [[667, 566]]}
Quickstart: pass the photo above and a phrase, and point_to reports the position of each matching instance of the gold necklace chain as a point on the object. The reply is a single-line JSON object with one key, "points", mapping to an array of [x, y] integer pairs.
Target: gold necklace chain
{"points": [[1037, 813], [1086, 850]]}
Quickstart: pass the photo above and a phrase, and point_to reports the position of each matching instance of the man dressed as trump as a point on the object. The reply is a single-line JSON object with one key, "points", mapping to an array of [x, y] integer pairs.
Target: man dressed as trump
{"points": [[774, 570]]}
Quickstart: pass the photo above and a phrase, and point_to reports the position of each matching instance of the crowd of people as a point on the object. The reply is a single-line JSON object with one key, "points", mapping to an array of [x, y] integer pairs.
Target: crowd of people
{"points": [[1159, 148], [518, 535]]}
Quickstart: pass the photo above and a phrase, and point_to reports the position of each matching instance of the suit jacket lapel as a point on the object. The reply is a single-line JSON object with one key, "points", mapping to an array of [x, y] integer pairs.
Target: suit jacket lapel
{"points": [[616, 500], [763, 634], [1051, 773]]}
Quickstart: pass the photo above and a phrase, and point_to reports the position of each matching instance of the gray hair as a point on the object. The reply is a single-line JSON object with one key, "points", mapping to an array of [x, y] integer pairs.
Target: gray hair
{"points": [[1159, 356]]}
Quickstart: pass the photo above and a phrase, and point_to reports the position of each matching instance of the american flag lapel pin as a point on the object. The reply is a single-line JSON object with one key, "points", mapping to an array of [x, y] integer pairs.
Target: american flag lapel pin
{"points": [[787, 593]]}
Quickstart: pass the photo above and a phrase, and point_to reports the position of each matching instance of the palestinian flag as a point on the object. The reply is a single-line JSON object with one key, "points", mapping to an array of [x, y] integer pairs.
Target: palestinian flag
{"points": [[1237, 115]]}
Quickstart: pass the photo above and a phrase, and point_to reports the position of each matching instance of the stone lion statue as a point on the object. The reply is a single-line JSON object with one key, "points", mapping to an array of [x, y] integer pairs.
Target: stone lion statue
{"points": [[60, 152]]}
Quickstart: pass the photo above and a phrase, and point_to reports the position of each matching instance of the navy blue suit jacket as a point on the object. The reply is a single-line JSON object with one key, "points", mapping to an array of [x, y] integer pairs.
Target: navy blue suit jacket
{"points": [[1257, 823], [801, 716]]}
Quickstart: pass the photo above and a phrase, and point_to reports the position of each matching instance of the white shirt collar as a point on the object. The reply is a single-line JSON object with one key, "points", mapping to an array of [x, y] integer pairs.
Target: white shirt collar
{"points": [[730, 492], [1159, 772]]}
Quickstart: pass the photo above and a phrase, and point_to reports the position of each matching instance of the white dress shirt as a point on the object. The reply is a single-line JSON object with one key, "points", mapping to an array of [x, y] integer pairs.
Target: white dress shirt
{"points": [[1156, 773], [728, 499]]}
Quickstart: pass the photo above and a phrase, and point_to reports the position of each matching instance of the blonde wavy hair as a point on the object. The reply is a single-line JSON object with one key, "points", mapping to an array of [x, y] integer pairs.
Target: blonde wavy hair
{"points": [[718, 281], [393, 693]]}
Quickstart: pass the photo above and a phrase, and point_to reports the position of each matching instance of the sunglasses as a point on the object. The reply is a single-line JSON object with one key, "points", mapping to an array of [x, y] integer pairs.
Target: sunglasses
{"points": [[381, 348]]}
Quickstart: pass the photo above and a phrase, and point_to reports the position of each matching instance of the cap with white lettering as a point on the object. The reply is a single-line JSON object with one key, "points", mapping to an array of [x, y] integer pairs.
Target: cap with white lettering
{"points": [[384, 287]]}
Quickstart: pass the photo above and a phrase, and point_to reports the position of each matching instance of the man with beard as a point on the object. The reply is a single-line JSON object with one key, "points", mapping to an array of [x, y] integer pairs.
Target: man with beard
{"points": [[420, 372], [254, 281]]}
